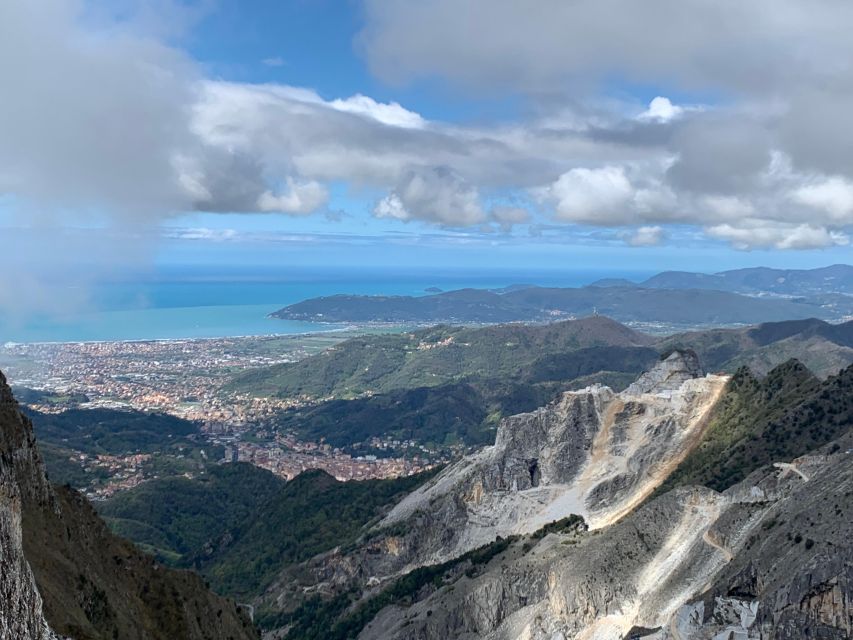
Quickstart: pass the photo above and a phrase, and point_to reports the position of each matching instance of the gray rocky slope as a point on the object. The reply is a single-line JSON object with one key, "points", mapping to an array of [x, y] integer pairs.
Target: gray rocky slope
{"points": [[21, 478], [769, 558]]}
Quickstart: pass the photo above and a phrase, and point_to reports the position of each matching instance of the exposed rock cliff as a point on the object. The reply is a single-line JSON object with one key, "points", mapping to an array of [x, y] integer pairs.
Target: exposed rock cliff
{"points": [[63, 568], [21, 614], [594, 452], [770, 558]]}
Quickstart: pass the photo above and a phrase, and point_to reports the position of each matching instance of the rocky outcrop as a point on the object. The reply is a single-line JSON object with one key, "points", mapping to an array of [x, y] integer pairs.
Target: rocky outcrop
{"points": [[62, 569], [21, 613], [594, 453], [672, 372], [770, 558]]}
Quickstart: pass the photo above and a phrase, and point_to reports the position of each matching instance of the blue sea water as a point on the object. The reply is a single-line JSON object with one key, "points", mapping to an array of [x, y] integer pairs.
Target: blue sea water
{"points": [[193, 303]]}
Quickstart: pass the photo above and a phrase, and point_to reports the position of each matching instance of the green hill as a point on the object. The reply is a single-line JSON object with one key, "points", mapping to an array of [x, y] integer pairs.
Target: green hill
{"points": [[431, 357], [467, 411], [110, 431], [764, 420], [173, 442], [824, 348]]}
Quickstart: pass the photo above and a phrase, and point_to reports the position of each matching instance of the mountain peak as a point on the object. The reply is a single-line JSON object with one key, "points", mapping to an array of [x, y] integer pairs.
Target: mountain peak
{"points": [[668, 374]]}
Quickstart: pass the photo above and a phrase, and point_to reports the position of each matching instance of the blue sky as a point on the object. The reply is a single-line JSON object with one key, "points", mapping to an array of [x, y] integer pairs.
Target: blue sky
{"points": [[409, 134], [313, 43]]}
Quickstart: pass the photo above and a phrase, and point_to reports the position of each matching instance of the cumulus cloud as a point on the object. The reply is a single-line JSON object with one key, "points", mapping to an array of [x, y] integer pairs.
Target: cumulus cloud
{"points": [[779, 64], [833, 195], [590, 195], [727, 207], [769, 167], [646, 237], [661, 109], [434, 195], [300, 198], [608, 196], [751, 234]]}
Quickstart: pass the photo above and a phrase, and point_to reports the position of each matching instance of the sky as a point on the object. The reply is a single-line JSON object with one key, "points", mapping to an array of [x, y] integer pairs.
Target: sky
{"points": [[668, 134]]}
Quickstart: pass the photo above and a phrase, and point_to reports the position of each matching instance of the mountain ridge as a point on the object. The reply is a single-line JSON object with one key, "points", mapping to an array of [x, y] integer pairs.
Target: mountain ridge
{"points": [[741, 296], [837, 278], [684, 307]]}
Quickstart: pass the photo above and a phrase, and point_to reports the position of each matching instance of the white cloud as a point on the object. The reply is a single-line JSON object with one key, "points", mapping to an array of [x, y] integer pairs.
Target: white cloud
{"points": [[301, 198], [274, 61], [391, 206], [727, 207], [592, 196], [661, 110], [391, 113], [752, 234], [646, 237], [212, 145], [434, 195], [833, 195]]}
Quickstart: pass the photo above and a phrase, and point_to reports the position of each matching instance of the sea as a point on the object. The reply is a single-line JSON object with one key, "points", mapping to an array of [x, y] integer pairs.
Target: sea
{"points": [[192, 303]]}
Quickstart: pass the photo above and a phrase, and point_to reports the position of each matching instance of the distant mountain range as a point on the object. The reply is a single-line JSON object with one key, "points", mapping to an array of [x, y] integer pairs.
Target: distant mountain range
{"points": [[672, 299], [837, 278]]}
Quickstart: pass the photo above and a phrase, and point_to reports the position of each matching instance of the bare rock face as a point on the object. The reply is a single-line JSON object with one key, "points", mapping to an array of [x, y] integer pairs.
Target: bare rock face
{"points": [[61, 568], [594, 453], [669, 375], [768, 559], [18, 448], [21, 615]]}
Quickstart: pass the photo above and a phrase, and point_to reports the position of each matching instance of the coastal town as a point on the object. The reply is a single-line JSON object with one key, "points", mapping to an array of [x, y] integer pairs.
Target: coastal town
{"points": [[188, 379]]}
